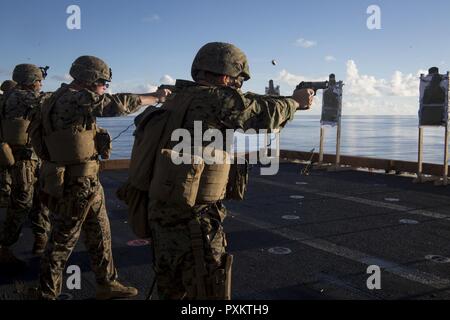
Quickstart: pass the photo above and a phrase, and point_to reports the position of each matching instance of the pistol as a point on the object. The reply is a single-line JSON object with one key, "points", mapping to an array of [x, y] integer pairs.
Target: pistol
{"points": [[172, 88], [313, 85]]}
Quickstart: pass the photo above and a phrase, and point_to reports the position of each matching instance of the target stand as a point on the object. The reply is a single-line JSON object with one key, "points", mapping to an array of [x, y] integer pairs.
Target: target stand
{"points": [[433, 112], [331, 117]]}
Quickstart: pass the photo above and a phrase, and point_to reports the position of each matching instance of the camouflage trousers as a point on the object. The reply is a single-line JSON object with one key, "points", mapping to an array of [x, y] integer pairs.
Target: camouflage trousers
{"points": [[5, 186], [24, 203], [82, 208], [174, 261]]}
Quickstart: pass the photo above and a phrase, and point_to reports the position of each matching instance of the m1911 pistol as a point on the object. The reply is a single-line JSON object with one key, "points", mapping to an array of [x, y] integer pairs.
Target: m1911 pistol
{"points": [[313, 85], [170, 87]]}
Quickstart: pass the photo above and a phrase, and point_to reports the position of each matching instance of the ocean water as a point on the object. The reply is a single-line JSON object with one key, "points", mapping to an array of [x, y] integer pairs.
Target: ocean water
{"points": [[387, 137]]}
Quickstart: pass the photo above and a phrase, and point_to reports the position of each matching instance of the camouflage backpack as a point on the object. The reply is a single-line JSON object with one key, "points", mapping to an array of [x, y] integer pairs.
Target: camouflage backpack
{"points": [[153, 131]]}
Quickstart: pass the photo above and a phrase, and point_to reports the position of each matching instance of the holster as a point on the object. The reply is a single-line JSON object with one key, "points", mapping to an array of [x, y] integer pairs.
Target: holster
{"points": [[201, 284], [218, 284]]}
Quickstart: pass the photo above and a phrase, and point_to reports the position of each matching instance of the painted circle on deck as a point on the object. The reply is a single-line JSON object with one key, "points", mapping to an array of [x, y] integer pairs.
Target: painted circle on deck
{"points": [[290, 217], [279, 251], [409, 221], [138, 243], [65, 296], [437, 259], [297, 197], [392, 199]]}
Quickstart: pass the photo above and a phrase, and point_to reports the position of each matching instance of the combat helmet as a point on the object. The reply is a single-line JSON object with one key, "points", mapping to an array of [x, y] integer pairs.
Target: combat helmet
{"points": [[90, 69], [8, 85], [221, 58], [28, 74]]}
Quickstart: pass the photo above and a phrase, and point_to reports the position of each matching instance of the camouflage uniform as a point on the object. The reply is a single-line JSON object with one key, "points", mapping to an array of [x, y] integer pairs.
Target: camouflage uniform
{"points": [[217, 108], [5, 186], [82, 205], [5, 176], [24, 200]]}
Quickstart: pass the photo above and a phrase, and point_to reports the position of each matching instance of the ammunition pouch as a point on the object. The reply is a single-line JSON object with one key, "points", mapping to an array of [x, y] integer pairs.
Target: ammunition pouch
{"points": [[214, 179], [176, 184], [238, 181], [52, 179], [53, 175], [6, 155], [103, 143], [14, 131], [68, 147]]}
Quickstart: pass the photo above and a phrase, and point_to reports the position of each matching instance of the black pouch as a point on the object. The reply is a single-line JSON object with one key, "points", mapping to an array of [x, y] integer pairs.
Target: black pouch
{"points": [[237, 182], [103, 143]]}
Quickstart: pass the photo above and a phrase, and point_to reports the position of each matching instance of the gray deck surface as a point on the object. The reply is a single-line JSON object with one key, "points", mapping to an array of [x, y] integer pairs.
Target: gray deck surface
{"points": [[346, 222]]}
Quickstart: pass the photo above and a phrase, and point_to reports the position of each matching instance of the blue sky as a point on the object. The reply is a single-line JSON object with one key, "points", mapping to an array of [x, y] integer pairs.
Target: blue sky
{"points": [[145, 40]]}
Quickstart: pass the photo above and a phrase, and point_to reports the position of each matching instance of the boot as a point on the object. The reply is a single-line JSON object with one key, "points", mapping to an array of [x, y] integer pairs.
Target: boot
{"points": [[115, 290], [9, 260], [40, 242]]}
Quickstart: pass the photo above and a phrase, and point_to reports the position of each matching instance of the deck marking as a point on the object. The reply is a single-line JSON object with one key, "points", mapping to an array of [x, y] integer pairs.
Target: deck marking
{"points": [[290, 217], [354, 255], [409, 221], [280, 251], [372, 203], [138, 243], [438, 259]]}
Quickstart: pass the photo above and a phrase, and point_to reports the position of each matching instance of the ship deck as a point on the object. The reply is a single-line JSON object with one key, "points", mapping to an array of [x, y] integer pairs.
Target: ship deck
{"points": [[299, 237]]}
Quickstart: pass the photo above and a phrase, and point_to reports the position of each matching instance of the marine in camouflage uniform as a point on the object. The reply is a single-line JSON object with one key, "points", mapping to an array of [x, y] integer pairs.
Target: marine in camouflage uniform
{"points": [[5, 176], [190, 258], [80, 204], [16, 112]]}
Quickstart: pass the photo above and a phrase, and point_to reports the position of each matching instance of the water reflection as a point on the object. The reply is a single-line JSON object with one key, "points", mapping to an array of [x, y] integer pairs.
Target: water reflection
{"points": [[389, 137]]}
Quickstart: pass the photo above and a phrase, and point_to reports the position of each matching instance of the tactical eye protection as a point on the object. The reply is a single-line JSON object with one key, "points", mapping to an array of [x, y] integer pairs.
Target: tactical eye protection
{"points": [[102, 83], [238, 82]]}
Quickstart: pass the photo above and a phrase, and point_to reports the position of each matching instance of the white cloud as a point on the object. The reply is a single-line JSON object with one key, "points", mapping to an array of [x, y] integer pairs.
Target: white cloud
{"points": [[166, 79], [64, 78], [330, 58], [132, 88], [305, 43], [367, 94], [362, 85], [135, 87], [405, 85], [151, 18], [400, 85], [293, 80]]}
